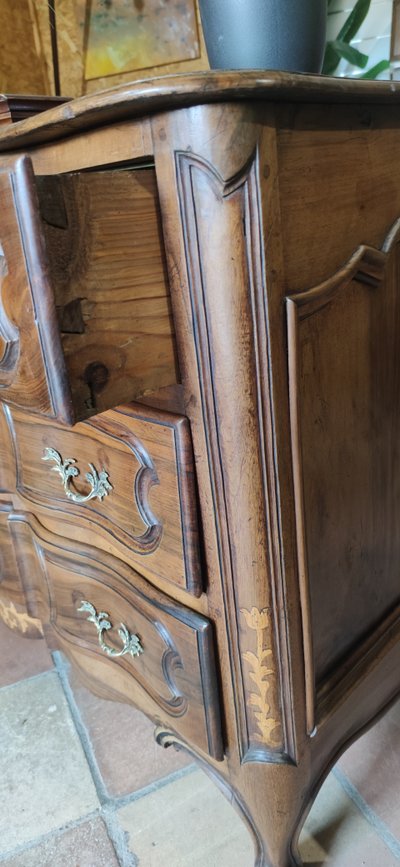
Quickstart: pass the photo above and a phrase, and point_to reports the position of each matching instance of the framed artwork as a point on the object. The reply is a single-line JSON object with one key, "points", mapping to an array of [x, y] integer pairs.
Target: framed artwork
{"points": [[127, 35], [89, 45]]}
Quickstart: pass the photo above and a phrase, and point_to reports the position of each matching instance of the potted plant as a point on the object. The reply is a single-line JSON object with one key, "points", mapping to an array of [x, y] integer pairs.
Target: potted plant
{"points": [[340, 48], [265, 34]]}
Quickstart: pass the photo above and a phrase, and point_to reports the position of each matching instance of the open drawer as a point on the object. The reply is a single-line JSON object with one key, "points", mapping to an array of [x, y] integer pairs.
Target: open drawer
{"points": [[85, 319]]}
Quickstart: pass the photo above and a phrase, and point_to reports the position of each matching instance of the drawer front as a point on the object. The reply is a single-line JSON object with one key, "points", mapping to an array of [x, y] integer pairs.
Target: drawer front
{"points": [[85, 316], [32, 370], [102, 609], [8, 564], [141, 489], [15, 609]]}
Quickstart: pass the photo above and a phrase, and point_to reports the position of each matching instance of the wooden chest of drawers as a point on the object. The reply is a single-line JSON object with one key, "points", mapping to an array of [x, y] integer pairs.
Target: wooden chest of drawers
{"points": [[199, 420]]}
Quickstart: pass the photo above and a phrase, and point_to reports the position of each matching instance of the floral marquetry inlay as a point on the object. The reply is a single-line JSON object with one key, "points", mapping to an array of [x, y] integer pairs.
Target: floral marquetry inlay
{"points": [[262, 674], [18, 619]]}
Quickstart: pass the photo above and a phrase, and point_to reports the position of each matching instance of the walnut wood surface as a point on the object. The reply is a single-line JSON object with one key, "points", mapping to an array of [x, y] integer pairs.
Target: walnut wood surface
{"points": [[14, 108], [32, 371], [150, 511], [176, 669], [15, 605], [235, 375], [268, 185], [344, 378], [85, 319], [177, 91]]}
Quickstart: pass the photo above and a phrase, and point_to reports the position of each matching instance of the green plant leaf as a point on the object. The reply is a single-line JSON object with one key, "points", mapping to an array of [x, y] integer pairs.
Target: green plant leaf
{"points": [[375, 70], [349, 53], [331, 60], [354, 21]]}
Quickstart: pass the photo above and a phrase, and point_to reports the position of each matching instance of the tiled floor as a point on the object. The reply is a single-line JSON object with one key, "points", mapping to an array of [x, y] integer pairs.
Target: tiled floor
{"points": [[82, 784]]}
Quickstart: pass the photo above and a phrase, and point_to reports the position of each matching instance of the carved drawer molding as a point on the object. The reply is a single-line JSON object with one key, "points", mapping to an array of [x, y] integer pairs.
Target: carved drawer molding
{"points": [[173, 679], [149, 510]]}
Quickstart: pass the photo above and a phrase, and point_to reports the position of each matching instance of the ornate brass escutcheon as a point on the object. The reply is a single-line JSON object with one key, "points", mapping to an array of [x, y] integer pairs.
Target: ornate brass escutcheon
{"points": [[131, 643], [100, 485]]}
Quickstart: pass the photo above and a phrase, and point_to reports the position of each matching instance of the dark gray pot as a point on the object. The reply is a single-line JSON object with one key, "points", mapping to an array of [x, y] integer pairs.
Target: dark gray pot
{"points": [[265, 34]]}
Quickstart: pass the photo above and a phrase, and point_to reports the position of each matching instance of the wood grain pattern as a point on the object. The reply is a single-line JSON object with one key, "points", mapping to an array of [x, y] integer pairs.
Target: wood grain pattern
{"points": [[7, 456], [114, 144], [344, 375], [22, 66], [176, 669], [32, 372], [364, 198], [15, 609], [106, 270], [151, 509], [14, 108], [177, 91], [106, 259]]}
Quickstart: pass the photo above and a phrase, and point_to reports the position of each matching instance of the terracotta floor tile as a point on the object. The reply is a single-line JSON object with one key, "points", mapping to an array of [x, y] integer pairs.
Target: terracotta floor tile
{"points": [[123, 743], [21, 657], [44, 777], [372, 765], [187, 823], [200, 828], [337, 834], [84, 846]]}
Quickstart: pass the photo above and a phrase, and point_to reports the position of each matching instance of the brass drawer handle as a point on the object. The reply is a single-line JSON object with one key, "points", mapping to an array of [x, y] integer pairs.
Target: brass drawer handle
{"points": [[100, 485], [131, 642]]}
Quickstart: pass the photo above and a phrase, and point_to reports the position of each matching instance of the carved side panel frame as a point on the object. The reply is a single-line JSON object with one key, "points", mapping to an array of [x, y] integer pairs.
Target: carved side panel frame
{"points": [[221, 222], [362, 296]]}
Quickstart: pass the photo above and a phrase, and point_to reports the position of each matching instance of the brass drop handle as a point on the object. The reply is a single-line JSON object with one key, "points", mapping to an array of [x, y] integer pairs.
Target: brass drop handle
{"points": [[99, 483], [131, 643]]}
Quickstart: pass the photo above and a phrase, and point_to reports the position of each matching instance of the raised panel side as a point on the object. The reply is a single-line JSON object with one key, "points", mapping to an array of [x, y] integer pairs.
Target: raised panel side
{"points": [[344, 378]]}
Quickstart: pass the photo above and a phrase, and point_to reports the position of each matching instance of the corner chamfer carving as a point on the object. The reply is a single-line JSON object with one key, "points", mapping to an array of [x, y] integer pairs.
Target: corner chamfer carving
{"points": [[9, 339], [373, 270], [233, 373]]}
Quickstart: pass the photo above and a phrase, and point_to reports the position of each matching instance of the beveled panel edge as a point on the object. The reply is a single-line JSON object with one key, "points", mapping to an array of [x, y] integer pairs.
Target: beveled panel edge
{"points": [[187, 488], [356, 666], [367, 266]]}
